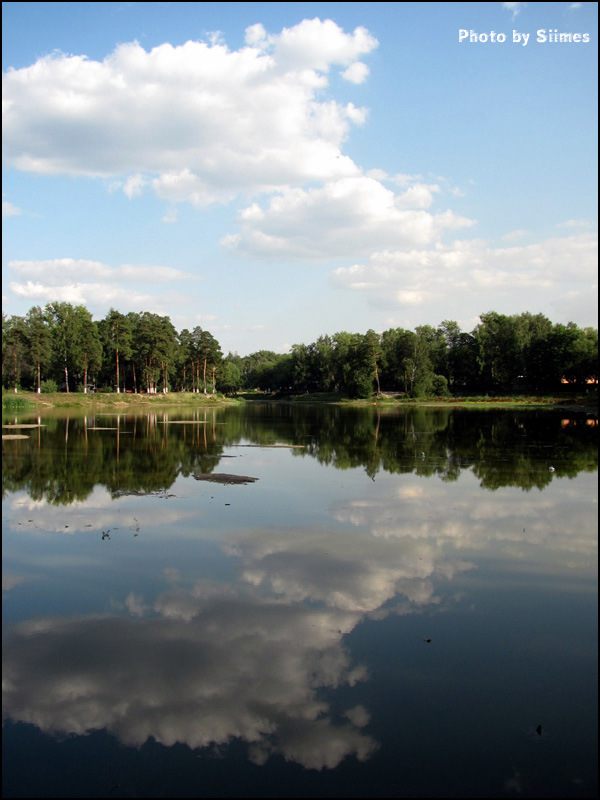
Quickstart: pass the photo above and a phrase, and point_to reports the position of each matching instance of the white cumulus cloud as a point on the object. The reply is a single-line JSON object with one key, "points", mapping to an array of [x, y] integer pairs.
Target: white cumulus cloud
{"points": [[197, 122], [131, 287], [342, 217], [514, 8], [10, 210], [356, 73], [58, 270], [553, 276]]}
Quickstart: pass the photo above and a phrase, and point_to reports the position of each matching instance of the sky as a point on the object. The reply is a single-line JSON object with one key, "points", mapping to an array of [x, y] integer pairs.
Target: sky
{"points": [[274, 172]]}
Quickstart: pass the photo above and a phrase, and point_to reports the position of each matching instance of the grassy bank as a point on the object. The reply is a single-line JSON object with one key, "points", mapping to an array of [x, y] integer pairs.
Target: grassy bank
{"points": [[31, 400], [587, 401], [15, 402]]}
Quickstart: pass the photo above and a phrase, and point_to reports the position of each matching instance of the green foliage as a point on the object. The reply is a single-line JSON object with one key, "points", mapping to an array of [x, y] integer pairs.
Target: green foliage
{"points": [[353, 364], [14, 346], [12, 402], [48, 387], [440, 386], [39, 343], [137, 352], [63, 326], [229, 377], [89, 352], [116, 333]]}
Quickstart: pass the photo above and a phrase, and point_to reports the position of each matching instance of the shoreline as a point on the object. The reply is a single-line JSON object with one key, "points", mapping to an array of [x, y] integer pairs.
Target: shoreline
{"points": [[31, 401]]}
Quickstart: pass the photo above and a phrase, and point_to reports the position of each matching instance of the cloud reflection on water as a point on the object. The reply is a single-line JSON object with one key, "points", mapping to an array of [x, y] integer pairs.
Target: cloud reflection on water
{"points": [[251, 644], [211, 661], [214, 665]]}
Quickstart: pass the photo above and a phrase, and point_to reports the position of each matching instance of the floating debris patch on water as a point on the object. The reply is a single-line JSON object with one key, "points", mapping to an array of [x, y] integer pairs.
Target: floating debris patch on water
{"points": [[28, 425], [188, 422], [301, 446], [221, 477], [162, 493]]}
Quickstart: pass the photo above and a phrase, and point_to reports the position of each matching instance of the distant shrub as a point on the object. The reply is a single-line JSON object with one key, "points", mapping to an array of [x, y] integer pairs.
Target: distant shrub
{"points": [[440, 386], [106, 389], [48, 387]]}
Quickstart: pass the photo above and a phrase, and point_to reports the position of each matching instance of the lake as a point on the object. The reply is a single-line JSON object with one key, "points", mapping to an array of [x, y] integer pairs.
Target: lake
{"points": [[295, 601]]}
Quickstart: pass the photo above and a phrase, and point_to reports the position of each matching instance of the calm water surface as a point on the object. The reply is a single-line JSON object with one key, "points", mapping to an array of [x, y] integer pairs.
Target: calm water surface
{"points": [[401, 604]]}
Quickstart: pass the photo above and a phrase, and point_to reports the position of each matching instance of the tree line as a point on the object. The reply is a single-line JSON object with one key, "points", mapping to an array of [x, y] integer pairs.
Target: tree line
{"points": [[502, 354], [60, 347]]}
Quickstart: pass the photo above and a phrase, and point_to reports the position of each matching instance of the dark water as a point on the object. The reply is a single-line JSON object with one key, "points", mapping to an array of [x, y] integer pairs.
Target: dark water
{"points": [[403, 604]]}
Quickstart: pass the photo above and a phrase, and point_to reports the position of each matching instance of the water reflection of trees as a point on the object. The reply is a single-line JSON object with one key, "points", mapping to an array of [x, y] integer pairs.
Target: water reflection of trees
{"points": [[62, 462], [505, 448], [130, 454]]}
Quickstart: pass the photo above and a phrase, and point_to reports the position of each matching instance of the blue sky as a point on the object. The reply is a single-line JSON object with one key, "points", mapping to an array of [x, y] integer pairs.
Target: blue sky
{"points": [[277, 171]]}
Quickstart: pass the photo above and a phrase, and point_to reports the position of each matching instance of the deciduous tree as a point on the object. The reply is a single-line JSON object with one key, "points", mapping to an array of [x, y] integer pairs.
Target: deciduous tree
{"points": [[39, 342]]}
